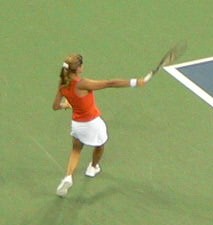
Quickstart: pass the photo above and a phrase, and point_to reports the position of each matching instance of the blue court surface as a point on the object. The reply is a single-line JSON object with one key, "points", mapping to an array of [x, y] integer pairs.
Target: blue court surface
{"points": [[197, 76]]}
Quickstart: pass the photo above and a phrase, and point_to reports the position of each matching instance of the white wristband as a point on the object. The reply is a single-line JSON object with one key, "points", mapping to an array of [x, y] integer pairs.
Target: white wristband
{"points": [[133, 82]]}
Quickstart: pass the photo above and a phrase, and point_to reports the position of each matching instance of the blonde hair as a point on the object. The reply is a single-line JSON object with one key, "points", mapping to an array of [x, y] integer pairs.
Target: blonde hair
{"points": [[71, 64]]}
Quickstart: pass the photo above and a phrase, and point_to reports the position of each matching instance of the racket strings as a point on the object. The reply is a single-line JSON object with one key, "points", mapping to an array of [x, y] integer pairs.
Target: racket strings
{"points": [[172, 55]]}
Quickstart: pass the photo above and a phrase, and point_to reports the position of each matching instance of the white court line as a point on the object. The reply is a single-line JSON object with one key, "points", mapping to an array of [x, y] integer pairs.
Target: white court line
{"points": [[187, 82], [46, 152], [41, 147], [193, 62]]}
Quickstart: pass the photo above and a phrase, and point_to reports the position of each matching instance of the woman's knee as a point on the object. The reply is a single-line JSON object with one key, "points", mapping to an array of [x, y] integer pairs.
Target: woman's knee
{"points": [[101, 147], [77, 145]]}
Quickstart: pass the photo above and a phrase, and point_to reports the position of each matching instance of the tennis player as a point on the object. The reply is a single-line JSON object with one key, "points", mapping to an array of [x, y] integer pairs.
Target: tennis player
{"points": [[87, 126]]}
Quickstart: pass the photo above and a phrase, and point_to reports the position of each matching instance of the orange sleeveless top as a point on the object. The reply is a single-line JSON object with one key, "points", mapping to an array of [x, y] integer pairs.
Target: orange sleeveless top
{"points": [[84, 108]]}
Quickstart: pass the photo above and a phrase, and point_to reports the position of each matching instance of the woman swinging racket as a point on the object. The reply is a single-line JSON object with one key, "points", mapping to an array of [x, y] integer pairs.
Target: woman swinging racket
{"points": [[87, 127]]}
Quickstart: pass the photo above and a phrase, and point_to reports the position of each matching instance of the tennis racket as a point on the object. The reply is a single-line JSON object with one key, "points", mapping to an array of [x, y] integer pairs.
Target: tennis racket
{"points": [[169, 58]]}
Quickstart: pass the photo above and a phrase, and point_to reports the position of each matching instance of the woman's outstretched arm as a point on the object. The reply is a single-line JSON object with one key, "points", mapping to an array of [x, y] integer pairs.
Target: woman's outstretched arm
{"points": [[88, 84]]}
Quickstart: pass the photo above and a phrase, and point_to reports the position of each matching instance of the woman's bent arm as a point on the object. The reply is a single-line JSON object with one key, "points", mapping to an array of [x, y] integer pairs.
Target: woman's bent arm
{"points": [[57, 101], [59, 104]]}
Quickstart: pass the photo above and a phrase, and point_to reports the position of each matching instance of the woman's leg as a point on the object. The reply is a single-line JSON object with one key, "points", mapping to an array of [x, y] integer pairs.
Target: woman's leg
{"points": [[74, 156], [67, 182], [97, 155], [93, 169]]}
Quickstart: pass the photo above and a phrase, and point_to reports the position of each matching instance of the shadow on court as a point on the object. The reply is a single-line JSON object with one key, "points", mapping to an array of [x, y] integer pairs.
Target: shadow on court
{"points": [[56, 210], [146, 198]]}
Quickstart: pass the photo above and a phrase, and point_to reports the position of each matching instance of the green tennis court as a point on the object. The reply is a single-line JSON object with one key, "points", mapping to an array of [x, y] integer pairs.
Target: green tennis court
{"points": [[158, 164]]}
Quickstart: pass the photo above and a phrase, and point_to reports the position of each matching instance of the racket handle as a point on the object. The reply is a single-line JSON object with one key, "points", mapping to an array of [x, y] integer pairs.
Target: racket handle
{"points": [[148, 77]]}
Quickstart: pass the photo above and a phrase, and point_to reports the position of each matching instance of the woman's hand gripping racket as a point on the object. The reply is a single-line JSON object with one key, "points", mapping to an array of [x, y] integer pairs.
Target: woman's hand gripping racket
{"points": [[171, 56]]}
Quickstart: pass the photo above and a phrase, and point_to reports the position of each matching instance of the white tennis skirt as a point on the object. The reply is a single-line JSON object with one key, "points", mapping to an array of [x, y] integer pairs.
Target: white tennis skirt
{"points": [[92, 133]]}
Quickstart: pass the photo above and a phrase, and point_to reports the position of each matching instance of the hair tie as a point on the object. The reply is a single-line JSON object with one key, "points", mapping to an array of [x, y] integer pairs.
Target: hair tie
{"points": [[65, 65]]}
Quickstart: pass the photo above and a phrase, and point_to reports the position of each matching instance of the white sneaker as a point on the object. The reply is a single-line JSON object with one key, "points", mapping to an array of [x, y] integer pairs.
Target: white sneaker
{"points": [[92, 171], [63, 187]]}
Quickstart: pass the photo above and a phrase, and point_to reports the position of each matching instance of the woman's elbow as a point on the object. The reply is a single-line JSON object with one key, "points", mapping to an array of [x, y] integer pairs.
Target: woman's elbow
{"points": [[55, 107]]}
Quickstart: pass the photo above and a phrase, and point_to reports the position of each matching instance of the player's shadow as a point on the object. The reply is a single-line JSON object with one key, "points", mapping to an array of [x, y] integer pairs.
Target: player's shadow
{"points": [[146, 195], [67, 210], [55, 210]]}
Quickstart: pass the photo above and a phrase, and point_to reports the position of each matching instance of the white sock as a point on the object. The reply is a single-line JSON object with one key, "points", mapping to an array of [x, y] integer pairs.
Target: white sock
{"points": [[69, 178]]}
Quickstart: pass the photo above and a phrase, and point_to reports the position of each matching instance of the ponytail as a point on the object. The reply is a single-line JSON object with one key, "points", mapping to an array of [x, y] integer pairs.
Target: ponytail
{"points": [[69, 66], [64, 77]]}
